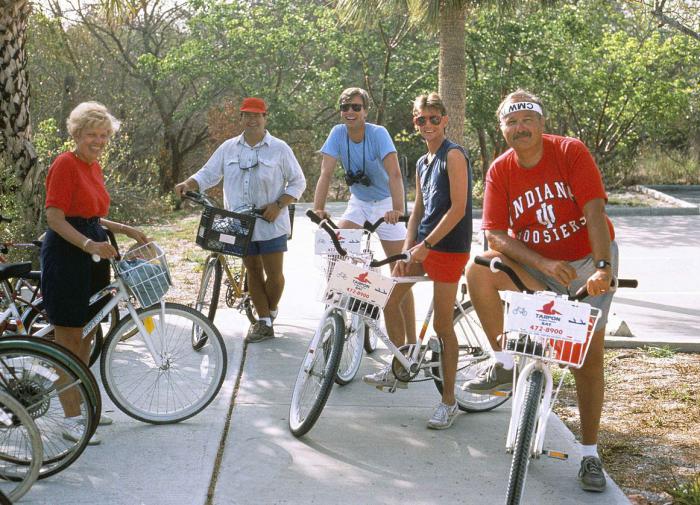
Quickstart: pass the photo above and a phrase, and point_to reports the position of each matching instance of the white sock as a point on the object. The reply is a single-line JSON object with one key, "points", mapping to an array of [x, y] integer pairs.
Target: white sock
{"points": [[273, 313], [589, 450], [266, 320], [504, 359]]}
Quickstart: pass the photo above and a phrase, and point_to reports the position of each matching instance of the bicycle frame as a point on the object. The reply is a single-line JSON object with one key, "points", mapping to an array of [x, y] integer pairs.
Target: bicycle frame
{"points": [[120, 293]]}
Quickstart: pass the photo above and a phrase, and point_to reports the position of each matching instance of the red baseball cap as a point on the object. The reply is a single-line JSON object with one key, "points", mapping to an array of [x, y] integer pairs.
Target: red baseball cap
{"points": [[252, 104]]}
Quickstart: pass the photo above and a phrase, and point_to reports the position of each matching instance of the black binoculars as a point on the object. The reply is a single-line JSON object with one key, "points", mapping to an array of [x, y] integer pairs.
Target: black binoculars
{"points": [[361, 178]]}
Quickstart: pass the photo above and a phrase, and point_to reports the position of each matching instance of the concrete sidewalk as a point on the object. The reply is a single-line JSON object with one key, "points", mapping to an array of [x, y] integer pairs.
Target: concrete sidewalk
{"points": [[367, 447]]}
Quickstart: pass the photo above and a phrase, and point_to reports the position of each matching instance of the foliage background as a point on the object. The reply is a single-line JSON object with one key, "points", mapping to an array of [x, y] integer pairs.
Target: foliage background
{"points": [[175, 72]]}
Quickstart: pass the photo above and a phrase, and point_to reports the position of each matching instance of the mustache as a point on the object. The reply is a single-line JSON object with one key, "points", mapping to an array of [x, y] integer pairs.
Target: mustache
{"points": [[521, 135]]}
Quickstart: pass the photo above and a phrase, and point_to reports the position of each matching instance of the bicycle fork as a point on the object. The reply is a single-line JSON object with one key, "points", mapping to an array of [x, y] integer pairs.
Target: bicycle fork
{"points": [[542, 413]]}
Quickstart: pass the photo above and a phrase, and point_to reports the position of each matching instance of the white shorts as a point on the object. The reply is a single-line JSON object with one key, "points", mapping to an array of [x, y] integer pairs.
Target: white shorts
{"points": [[359, 211]]}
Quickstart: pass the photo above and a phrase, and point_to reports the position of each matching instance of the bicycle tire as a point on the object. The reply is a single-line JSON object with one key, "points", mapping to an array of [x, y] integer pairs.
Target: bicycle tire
{"points": [[353, 349], [523, 439], [371, 340], [144, 389], [36, 377], [208, 296], [18, 432], [35, 319], [250, 310], [316, 374], [473, 358]]}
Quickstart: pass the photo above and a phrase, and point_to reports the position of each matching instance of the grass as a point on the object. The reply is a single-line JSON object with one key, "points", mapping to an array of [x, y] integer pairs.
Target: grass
{"points": [[664, 351], [688, 492]]}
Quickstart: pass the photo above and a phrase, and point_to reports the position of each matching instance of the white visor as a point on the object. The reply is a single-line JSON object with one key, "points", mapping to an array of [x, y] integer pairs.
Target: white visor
{"points": [[511, 107]]}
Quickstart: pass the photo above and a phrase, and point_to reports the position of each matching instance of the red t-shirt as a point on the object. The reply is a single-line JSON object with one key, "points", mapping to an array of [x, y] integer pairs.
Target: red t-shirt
{"points": [[77, 188], [542, 206]]}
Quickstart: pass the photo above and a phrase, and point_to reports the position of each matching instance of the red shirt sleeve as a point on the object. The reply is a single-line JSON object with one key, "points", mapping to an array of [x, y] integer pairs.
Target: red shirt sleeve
{"points": [[583, 175], [496, 205], [60, 183]]}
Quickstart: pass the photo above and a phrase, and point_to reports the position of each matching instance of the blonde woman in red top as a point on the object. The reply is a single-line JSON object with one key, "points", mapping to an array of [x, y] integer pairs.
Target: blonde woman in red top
{"points": [[77, 203]]}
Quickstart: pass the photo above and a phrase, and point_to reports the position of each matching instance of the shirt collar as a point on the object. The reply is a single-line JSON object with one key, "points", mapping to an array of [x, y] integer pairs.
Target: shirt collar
{"points": [[265, 141]]}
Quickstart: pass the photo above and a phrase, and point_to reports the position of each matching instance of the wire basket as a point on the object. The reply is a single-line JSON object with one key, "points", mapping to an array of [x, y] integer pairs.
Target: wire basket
{"points": [[225, 232], [145, 272], [548, 327], [357, 289]]}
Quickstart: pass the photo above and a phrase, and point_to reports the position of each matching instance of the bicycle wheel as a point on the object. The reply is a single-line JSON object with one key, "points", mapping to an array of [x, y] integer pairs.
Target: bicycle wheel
{"points": [[473, 358], [43, 379], [178, 381], [353, 346], [20, 440], [316, 374], [208, 296], [523, 440]]}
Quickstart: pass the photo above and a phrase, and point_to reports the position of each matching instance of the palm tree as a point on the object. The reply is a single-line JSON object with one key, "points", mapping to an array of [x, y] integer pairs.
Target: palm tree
{"points": [[448, 17], [15, 125]]}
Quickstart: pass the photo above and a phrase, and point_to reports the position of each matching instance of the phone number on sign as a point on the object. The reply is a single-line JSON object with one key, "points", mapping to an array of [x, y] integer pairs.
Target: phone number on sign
{"points": [[546, 329], [358, 293]]}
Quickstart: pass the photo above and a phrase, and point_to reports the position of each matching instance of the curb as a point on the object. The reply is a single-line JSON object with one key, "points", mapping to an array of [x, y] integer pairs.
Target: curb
{"points": [[681, 344]]}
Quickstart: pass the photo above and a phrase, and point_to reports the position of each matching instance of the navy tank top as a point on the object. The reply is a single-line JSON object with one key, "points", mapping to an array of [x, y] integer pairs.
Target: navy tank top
{"points": [[435, 188]]}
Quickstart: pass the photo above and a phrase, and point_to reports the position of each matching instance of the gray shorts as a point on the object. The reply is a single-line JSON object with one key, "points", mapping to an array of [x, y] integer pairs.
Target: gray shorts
{"points": [[584, 269]]}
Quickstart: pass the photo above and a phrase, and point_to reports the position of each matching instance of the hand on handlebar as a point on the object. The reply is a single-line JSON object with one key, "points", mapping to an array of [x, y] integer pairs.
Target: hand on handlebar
{"points": [[599, 282], [321, 213], [102, 249], [560, 270], [270, 212], [392, 216]]}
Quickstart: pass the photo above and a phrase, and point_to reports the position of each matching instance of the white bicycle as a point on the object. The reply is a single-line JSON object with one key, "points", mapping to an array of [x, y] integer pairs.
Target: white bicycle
{"points": [[541, 329]]}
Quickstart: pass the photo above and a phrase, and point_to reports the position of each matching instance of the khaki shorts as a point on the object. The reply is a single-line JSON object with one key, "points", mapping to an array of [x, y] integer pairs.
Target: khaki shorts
{"points": [[584, 269]]}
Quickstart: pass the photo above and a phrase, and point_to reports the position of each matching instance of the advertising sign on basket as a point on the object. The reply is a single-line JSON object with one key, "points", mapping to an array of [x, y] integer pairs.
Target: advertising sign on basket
{"points": [[357, 289], [350, 240], [547, 315]]}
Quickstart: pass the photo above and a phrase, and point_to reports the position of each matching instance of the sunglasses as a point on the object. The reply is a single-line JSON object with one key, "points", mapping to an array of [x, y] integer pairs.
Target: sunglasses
{"points": [[245, 169], [356, 107], [422, 120]]}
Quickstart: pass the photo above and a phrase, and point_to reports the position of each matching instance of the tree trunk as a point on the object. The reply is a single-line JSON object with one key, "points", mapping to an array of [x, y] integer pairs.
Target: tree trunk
{"points": [[15, 125], [452, 74]]}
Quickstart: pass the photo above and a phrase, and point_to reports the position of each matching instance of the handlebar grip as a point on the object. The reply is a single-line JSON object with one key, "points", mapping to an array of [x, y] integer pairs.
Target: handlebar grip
{"points": [[6, 219], [627, 283], [372, 227], [193, 194], [331, 233], [313, 216], [396, 257], [480, 260]]}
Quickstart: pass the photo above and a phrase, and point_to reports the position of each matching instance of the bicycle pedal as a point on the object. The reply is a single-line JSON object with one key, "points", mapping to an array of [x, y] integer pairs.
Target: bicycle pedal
{"points": [[386, 389], [556, 454]]}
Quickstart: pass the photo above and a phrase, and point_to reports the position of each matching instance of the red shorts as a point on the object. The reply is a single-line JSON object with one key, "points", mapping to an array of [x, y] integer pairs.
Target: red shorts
{"points": [[445, 266]]}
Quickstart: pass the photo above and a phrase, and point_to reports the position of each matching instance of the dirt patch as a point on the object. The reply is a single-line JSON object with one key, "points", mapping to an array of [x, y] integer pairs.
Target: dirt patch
{"points": [[650, 430]]}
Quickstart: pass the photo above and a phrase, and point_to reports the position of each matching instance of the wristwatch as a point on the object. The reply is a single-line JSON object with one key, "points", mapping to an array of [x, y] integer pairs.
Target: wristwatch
{"points": [[601, 264], [279, 205], [427, 245]]}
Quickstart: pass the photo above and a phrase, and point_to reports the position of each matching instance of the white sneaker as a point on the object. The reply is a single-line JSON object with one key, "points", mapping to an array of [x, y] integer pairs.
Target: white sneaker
{"points": [[444, 416], [384, 378], [75, 432], [105, 420]]}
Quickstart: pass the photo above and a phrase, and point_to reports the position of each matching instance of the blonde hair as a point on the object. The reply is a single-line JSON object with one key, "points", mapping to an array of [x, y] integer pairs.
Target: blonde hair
{"points": [[91, 115], [348, 93], [432, 100], [519, 95]]}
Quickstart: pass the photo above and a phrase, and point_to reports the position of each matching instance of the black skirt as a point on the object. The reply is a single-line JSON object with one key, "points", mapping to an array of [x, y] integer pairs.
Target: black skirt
{"points": [[69, 276]]}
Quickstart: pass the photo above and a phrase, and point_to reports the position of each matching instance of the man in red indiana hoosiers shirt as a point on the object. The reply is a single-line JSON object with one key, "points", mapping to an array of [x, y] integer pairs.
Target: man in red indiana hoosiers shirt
{"points": [[544, 216]]}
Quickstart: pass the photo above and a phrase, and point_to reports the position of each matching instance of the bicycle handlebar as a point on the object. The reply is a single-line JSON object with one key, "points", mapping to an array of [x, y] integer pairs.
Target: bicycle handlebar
{"points": [[198, 198], [496, 265], [317, 220], [367, 226], [6, 219]]}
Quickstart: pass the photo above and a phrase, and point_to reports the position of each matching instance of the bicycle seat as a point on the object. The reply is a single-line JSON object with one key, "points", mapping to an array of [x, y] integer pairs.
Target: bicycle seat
{"points": [[10, 270]]}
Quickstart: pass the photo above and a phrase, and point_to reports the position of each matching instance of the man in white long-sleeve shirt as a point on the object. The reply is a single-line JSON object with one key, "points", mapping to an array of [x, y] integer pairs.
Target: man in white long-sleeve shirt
{"points": [[261, 170]]}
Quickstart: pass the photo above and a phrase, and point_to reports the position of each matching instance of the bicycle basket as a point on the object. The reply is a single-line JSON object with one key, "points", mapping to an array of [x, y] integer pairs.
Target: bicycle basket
{"points": [[225, 232], [144, 270], [548, 327], [358, 289]]}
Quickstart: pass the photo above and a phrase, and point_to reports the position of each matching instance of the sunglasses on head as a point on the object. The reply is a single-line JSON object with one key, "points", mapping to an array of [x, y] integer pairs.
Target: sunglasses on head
{"points": [[356, 107], [422, 120]]}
